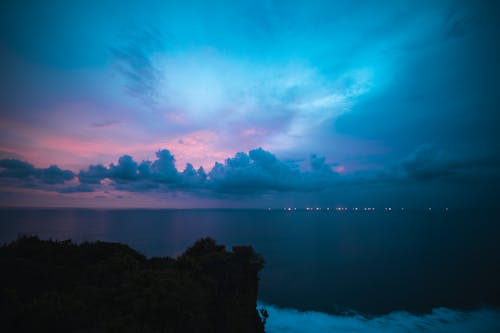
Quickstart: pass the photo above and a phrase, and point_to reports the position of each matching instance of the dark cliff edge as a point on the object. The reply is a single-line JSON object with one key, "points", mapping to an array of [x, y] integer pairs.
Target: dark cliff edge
{"points": [[108, 287]]}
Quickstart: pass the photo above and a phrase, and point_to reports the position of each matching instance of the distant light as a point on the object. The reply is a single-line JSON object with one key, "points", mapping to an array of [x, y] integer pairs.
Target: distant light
{"points": [[446, 209]]}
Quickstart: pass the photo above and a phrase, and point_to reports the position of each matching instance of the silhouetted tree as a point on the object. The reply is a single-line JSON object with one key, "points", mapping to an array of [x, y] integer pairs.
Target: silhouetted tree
{"points": [[108, 287]]}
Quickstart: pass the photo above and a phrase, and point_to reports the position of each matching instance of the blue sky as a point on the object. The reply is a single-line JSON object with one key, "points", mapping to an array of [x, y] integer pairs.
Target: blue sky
{"points": [[371, 103]]}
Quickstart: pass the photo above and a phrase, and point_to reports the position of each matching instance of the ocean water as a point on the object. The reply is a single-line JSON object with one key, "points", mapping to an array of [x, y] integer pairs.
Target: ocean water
{"points": [[398, 271]]}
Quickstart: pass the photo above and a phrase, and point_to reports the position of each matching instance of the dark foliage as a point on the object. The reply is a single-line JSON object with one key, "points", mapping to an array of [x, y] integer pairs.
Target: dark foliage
{"points": [[108, 287]]}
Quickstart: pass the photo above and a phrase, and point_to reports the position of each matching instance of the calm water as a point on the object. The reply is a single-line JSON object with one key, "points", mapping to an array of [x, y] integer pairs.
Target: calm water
{"points": [[371, 262]]}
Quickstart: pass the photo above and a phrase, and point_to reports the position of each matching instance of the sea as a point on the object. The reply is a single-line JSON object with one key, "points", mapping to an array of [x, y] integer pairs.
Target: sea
{"points": [[327, 270]]}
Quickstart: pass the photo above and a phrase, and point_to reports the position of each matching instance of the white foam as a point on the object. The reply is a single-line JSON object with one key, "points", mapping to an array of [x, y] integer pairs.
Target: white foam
{"points": [[440, 320]]}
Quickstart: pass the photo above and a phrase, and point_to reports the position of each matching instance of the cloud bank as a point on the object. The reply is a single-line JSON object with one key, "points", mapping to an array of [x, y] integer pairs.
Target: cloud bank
{"points": [[254, 173], [428, 163], [440, 320], [16, 169]]}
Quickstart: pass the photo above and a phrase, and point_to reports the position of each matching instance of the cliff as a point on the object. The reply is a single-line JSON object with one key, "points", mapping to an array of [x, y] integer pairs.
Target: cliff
{"points": [[109, 287]]}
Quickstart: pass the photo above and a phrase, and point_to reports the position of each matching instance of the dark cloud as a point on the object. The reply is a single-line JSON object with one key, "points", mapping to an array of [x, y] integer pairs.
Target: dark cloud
{"points": [[127, 169], [54, 175], [94, 174], [456, 26], [428, 162], [261, 171], [12, 168], [133, 176], [191, 177], [163, 170], [258, 171], [16, 169]]}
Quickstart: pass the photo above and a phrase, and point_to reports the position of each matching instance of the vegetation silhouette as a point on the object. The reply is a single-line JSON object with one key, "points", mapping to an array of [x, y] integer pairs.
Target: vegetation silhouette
{"points": [[60, 286]]}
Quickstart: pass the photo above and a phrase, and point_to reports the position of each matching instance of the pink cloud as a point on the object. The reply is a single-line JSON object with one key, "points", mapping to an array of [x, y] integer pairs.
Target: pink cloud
{"points": [[43, 147], [339, 168]]}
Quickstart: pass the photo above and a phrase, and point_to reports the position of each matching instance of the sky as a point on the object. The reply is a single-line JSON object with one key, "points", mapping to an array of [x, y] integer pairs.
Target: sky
{"points": [[233, 104]]}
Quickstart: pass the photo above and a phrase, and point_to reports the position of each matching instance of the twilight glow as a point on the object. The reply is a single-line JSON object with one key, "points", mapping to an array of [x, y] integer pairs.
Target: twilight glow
{"points": [[248, 103]]}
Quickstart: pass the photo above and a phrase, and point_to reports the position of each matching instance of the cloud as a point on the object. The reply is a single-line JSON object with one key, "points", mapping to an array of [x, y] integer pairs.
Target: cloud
{"points": [[16, 169], [94, 174], [135, 62], [9, 155], [205, 88], [107, 123], [439, 320], [259, 171], [428, 163], [163, 170]]}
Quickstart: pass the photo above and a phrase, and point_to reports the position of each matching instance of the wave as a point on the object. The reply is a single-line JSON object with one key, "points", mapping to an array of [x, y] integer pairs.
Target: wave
{"points": [[440, 320]]}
